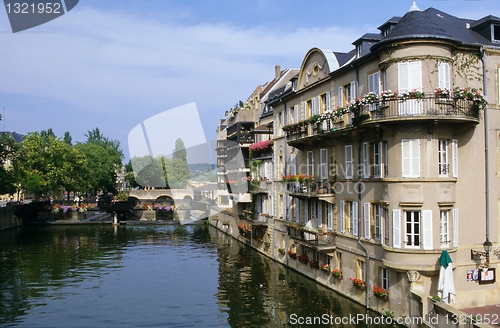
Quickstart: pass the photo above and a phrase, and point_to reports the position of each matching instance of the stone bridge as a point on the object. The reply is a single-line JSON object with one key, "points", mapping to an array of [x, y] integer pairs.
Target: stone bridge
{"points": [[151, 195]]}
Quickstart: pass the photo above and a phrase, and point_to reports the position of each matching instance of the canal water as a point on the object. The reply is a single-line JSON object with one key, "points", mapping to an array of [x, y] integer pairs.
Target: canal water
{"points": [[155, 276]]}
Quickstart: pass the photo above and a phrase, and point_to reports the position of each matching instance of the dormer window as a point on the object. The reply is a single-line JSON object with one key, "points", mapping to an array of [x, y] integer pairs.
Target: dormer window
{"points": [[358, 51], [496, 33]]}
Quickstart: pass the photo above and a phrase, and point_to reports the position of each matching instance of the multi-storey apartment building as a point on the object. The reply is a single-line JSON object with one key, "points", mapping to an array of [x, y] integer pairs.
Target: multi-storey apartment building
{"points": [[388, 155]]}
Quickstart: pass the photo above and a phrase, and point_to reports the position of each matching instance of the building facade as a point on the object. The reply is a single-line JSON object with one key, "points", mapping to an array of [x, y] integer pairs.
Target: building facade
{"points": [[379, 164]]}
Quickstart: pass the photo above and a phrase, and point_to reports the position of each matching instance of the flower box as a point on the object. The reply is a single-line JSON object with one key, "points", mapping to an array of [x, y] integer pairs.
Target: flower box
{"points": [[380, 293], [337, 273], [358, 283]]}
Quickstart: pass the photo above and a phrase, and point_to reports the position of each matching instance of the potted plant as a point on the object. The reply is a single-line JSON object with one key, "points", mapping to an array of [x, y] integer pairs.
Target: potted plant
{"points": [[380, 293], [358, 283], [337, 273], [325, 266], [292, 254]]}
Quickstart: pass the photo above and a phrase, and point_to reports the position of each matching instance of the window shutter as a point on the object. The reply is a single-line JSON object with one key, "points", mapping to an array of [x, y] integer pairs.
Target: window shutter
{"points": [[288, 116], [314, 205], [323, 154], [454, 158], [353, 90], [306, 210], [329, 216], [310, 163], [396, 224], [366, 159], [416, 76], [406, 163], [455, 227], [415, 149], [340, 96], [316, 105], [327, 100], [293, 164], [341, 216], [444, 75], [427, 229], [295, 113], [366, 214], [403, 77], [320, 214], [355, 218], [348, 162]]}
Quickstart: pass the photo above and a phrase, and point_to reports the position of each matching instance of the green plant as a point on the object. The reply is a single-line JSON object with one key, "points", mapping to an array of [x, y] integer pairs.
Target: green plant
{"points": [[436, 298], [389, 314], [121, 197]]}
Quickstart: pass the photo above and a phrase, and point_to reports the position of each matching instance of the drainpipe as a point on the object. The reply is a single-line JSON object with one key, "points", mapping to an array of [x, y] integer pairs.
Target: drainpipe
{"points": [[486, 143], [367, 254]]}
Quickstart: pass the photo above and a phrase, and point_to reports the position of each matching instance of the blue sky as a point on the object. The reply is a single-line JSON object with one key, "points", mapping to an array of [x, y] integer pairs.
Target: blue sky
{"points": [[114, 64]]}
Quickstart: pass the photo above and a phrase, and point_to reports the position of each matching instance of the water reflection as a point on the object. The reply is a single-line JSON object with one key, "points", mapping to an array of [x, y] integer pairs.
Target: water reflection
{"points": [[153, 275]]}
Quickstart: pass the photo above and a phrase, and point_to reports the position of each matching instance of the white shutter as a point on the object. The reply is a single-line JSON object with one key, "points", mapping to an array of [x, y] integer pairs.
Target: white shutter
{"points": [[366, 159], [329, 216], [316, 105], [454, 158], [327, 101], [348, 161], [427, 229], [320, 214], [355, 218], [310, 163], [444, 75], [377, 160], [455, 227], [353, 90], [306, 210], [366, 215], [323, 166], [403, 77], [288, 116], [415, 154], [293, 164], [396, 227], [410, 150], [416, 76], [314, 205], [406, 158], [340, 96], [341, 216], [295, 113]]}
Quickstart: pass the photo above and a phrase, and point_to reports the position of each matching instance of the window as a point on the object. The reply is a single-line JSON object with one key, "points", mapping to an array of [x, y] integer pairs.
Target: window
{"points": [[338, 259], [496, 33], [348, 161], [295, 114], [444, 229], [385, 279], [443, 158], [325, 102], [310, 163], [360, 269], [444, 75], [347, 93], [412, 221], [396, 228], [386, 226], [342, 216], [329, 217], [374, 86], [410, 78], [411, 158], [348, 217], [377, 221], [323, 163]]}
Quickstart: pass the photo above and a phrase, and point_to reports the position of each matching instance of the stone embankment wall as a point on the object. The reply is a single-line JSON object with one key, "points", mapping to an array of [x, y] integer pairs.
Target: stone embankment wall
{"points": [[8, 219]]}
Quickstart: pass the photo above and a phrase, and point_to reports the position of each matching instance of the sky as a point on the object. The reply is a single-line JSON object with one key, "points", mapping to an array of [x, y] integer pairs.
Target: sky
{"points": [[115, 64]]}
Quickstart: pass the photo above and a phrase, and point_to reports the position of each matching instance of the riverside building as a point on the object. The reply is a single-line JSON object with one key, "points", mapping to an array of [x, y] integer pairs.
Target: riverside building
{"points": [[378, 165]]}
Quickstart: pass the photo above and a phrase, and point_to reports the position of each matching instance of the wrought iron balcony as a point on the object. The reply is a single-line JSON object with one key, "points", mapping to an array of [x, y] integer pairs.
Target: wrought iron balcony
{"points": [[430, 107], [319, 188], [318, 240]]}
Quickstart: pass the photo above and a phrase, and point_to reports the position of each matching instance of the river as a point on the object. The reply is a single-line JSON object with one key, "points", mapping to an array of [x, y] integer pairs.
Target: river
{"points": [[155, 276]]}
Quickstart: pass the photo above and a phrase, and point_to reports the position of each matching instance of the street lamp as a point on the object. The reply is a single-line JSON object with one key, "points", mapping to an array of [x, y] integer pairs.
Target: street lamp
{"points": [[477, 255]]}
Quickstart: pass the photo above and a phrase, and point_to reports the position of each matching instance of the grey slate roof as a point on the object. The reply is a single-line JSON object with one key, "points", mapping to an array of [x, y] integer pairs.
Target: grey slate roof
{"points": [[434, 24]]}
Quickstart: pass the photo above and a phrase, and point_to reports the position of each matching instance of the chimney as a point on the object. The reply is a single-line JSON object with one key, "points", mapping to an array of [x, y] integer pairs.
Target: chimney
{"points": [[277, 71]]}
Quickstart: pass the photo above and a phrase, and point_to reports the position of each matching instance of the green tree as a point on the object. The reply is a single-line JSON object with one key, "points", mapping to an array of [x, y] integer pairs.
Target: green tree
{"points": [[67, 138], [47, 163], [9, 150], [178, 168], [149, 171]]}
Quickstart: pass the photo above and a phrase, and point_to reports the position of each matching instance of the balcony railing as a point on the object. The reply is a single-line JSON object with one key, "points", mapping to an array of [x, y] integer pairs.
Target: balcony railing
{"points": [[428, 108], [311, 188], [316, 239]]}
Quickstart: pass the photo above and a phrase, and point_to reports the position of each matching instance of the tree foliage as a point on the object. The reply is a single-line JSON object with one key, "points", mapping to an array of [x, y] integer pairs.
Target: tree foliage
{"points": [[8, 153]]}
